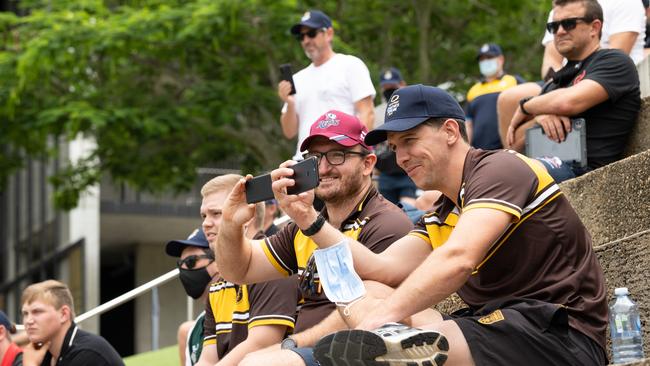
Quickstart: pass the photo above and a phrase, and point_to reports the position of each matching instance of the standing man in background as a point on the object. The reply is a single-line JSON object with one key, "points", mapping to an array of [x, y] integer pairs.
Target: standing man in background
{"points": [[481, 111], [10, 353], [331, 81]]}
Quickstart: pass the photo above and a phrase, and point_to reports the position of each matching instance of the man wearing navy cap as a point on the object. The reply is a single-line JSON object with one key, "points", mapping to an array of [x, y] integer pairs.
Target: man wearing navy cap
{"points": [[10, 353], [502, 236], [482, 123], [331, 81]]}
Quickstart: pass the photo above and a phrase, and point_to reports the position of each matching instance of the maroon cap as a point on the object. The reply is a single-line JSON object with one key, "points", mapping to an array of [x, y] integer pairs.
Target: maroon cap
{"points": [[342, 128]]}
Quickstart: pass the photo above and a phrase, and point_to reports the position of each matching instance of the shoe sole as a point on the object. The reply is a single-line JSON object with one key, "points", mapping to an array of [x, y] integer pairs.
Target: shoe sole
{"points": [[362, 348]]}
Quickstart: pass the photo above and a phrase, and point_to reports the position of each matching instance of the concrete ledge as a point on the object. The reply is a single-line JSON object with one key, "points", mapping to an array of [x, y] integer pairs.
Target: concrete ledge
{"points": [[640, 138], [613, 201]]}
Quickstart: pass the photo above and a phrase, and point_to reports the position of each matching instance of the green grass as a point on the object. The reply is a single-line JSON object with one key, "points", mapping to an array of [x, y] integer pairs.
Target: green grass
{"points": [[167, 356]]}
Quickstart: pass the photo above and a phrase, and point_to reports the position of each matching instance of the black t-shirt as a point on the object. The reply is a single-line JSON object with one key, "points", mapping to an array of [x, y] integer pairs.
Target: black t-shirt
{"points": [[609, 123], [81, 348]]}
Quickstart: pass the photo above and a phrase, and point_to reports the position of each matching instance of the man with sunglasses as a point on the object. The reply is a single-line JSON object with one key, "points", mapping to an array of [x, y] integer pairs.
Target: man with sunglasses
{"points": [[331, 81], [238, 319], [599, 85], [352, 205], [623, 30]]}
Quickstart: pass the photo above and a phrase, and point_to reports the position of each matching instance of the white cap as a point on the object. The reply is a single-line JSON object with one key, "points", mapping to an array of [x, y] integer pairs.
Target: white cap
{"points": [[620, 291]]}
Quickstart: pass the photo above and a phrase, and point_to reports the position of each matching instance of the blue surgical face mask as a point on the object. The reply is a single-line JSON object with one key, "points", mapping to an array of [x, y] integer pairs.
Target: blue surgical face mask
{"points": [[336, 273], [488, 67]]}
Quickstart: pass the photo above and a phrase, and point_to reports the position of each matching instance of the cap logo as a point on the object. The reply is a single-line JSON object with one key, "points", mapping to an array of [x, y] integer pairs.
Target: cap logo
{"points": [[330, 120], [305, 16], [485, 48], [196, 231], [392, 104], [388, 75], [362, 135]]}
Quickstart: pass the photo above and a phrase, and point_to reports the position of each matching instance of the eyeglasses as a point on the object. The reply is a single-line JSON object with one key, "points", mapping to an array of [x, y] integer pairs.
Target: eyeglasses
{"points": [[334, 157], [307, 279], [310, 33], [190, 260], [567, 24]]}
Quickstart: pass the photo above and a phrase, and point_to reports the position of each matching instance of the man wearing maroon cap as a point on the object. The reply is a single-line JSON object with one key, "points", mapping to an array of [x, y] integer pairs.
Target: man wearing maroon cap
{"points": [[352, 205]]}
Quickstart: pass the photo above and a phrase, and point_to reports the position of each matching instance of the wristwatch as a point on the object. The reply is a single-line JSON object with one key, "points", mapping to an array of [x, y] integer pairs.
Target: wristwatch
{"points": [[288, 343], [523, 101], [315, 226]]}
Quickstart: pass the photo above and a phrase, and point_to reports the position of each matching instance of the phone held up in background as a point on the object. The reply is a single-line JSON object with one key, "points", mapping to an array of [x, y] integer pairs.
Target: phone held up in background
{"points": [[286, 74], [305, 176]]}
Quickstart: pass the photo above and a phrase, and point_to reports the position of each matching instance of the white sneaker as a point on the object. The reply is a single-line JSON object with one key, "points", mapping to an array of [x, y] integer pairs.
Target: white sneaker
{"points": [[392, 344]]}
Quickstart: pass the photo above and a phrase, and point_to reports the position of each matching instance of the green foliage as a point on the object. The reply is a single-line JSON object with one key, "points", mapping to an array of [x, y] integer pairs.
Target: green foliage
{"points": [[164, 86]]}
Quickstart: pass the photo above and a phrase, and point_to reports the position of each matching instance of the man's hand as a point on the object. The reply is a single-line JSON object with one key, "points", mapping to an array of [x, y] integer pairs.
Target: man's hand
{"points": [[299, 207], [517, 119], [33, 355], [284, 88], [554, 126], [235, 210]]}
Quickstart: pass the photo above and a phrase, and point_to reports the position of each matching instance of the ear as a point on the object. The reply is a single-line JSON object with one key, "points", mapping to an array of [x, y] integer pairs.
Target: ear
{"points": [[330, 33], [596, 27], [65, 314], [369, 163], [451, 128]]}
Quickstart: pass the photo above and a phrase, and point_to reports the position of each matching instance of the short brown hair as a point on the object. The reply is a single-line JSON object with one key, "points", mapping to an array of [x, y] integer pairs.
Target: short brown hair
{"points": [[593, 10], [437, 122], [51, 292]]}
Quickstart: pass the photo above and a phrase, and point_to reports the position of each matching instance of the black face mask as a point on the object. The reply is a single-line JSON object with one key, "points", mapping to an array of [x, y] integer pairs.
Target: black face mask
{"points": [[195, 281], [388, 92]]}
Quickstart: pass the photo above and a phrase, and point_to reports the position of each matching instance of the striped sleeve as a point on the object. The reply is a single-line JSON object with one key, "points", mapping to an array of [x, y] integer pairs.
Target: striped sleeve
{"points": [[274, 303], [279, 250]]}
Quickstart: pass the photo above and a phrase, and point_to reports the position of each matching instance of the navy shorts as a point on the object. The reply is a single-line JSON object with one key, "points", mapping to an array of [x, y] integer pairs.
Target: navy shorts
{"points": [[525, 332], [307, 355]]}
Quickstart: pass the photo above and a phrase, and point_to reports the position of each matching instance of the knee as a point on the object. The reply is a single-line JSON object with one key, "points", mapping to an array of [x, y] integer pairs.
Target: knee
{"points": [[251, 359]]}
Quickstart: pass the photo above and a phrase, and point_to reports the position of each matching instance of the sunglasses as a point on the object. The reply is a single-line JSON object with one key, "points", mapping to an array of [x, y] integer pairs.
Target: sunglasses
{"points": [[191, 260], [567, 24], [310, 33], [307, 279]]}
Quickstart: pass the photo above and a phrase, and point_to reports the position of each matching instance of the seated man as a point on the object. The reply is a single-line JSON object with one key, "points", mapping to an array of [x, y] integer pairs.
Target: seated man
{"points": [[239, 319], [54, 338], [352, 205], [623, 30], [599, 85], [502, 236]]}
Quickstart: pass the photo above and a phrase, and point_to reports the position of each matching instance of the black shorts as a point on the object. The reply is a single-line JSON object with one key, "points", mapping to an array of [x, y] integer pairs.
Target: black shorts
{"points": [[525, 332]]}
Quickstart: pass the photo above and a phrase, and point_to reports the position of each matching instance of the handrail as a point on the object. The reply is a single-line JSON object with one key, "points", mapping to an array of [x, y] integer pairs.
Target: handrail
{"points": [[124, 297]]}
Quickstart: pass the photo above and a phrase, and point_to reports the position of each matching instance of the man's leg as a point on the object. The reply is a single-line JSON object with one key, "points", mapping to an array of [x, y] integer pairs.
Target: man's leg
{"points": [[421, 347], [279, 357]]}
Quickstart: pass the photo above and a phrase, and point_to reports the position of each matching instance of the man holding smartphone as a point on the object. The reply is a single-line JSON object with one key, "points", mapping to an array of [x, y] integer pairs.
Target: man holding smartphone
{"points": [[352, 205], [331, 81]]}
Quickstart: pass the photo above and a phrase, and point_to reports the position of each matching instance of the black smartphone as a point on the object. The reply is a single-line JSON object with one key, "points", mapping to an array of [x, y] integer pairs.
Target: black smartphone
{"points": [[259, 189], [286, 74], [305, 175]]}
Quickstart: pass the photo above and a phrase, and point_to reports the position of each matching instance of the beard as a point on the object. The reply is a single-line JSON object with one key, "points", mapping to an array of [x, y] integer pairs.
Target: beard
{"points": [[348, 187]]}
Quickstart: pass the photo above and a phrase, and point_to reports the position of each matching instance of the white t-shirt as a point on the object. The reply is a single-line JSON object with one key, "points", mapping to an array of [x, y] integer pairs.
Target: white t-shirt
{"points": [[618, 16], [336, 84]]}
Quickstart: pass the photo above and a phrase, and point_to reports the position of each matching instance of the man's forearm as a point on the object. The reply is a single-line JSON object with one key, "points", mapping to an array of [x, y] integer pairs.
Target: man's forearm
{"points": [[289, 121], [330, 324], [233, 253]]}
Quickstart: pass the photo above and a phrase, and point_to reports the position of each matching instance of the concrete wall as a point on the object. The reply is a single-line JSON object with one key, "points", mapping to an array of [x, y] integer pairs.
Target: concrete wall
{"points": [[640, 139]]}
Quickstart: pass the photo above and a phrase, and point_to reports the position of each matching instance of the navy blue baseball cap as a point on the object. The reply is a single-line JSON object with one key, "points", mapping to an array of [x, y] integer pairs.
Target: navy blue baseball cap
{"points": [[390, 76], [314, 19], [196, 239], [490, 50], [411, 105], [4, 320]]}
